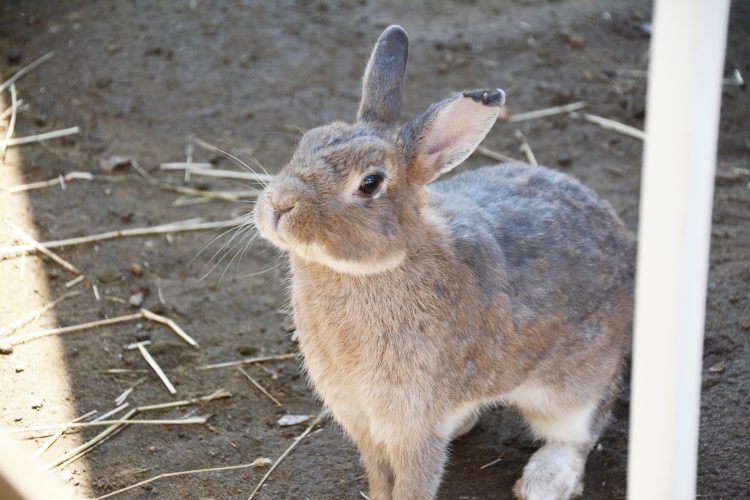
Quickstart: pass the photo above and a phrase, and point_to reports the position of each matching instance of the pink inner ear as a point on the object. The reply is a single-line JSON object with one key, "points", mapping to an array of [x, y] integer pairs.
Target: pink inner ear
{"points": [[460, 122]]}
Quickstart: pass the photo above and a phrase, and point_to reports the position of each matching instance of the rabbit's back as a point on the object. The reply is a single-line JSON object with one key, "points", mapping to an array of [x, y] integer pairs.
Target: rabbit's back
{"points": [[547, 241]]}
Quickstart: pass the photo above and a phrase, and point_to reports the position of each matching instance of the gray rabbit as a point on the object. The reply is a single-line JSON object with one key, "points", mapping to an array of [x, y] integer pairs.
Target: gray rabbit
{"points": [[419, 303]]}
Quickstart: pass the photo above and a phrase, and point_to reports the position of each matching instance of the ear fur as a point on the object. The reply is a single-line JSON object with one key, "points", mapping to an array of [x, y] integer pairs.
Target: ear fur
{"points": [[383, 81], [448, 132]]}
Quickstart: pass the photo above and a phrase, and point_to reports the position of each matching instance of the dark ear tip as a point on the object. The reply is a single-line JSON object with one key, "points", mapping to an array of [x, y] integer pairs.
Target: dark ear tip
{"points": [[488, 97], [394, 32]]}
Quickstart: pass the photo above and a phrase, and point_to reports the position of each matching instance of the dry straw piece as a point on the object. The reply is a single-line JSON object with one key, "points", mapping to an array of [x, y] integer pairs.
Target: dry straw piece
{"points": [[184, 166], [249, 361], [100, 423], [124, 395], [20, 339], [110, 431], [184, 189], [81, 450], [49, 253], [259, 387], [494, 155], [171, 324], [258, 462], [45, 446], [170, 228], [24, 320], [142, 314], [10, 81], [12, 124], [41, 137], [11, 109], [544, 113], [141, 346], [490, 464], [207, 171], [71, 176], [78, 279], [525, 148], [610, 124], [322, 415]]}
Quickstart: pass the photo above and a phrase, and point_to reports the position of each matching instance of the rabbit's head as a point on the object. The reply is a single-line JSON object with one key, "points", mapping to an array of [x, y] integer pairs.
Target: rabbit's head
{"points": [[352, 197]]}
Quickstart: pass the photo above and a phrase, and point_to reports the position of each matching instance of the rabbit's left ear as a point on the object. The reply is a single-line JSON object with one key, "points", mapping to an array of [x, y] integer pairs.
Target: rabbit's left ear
{"points": [[384, 78], [448, 132]]}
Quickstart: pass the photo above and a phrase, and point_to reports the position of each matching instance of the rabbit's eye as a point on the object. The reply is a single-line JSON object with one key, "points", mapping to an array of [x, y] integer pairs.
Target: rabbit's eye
{"points": [[370, 184]]}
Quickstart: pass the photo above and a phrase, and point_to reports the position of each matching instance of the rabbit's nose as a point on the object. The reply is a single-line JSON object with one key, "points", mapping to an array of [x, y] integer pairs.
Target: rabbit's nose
{"points": [[279, 210]]}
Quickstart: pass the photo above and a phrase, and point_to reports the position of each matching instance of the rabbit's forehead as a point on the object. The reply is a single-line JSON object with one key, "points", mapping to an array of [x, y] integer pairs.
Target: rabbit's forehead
{"points": [[340, 150]]}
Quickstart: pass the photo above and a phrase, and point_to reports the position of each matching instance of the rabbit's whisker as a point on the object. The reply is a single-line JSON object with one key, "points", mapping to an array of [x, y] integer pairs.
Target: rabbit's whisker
{"points": [[231, 226], [234, 257], [224, 247]]}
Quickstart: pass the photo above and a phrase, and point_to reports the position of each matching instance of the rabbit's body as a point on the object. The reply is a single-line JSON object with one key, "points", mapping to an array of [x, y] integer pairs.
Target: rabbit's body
{"points": [[481, 317], [415, 307]]}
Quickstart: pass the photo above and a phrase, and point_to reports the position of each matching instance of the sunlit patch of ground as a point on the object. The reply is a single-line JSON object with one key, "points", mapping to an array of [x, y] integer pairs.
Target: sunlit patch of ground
{"points": [[40, 391]]}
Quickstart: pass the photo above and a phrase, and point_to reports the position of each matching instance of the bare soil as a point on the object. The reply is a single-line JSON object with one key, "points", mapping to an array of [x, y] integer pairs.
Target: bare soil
{"points": [[139, 77]]}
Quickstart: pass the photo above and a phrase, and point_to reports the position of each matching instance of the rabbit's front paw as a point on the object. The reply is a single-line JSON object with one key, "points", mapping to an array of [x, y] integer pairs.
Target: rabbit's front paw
{"points": [[553, 473]]}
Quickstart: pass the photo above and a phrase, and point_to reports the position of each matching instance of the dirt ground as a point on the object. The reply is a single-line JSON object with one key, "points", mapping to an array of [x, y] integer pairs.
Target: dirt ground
{"points": [[139, 77]]}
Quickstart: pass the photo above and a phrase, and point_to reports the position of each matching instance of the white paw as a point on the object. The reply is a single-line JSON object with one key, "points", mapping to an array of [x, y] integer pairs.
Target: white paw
{"points": [[553, 473]]}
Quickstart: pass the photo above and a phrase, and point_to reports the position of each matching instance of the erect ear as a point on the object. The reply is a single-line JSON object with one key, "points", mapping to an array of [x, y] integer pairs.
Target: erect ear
{"points": [[448, 132], [384, 78]]}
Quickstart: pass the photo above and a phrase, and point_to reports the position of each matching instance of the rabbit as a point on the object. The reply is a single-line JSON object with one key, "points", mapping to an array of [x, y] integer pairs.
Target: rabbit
{"points": [[419, 303]]}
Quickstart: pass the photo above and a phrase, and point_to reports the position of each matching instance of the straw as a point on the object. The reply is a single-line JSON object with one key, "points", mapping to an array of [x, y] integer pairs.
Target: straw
{"points": [[10, 81], [249, 361], [174, 227], [40, 137]]}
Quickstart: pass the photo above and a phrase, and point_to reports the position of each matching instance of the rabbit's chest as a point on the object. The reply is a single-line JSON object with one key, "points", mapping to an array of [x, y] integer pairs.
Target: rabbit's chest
{"points": [[359, 347]]}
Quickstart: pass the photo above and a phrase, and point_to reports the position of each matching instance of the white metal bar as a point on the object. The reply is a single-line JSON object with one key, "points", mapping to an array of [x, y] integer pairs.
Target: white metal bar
{"points": [[684, 95]]}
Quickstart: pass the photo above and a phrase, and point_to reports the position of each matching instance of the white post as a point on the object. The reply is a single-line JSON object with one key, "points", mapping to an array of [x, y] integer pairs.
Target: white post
{"points": [[684, 95]]}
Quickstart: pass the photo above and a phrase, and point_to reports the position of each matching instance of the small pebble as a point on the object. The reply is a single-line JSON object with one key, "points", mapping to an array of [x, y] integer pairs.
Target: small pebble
{"points": [[564, 160], [14, 55], [718, 367], [136, 299], [114, 162], [245, 350], [575, 40], [288, 420], [136, 269], [152, 449], [6, 348], [104, 82]]}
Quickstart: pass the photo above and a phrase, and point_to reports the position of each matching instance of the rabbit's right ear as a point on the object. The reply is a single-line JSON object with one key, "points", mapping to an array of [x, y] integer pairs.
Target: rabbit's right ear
{"points": [[384, 78], [448, 132]]}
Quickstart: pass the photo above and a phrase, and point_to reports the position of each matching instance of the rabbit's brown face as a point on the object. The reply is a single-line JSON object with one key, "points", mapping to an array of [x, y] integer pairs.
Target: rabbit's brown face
{"points": [[351, 196], [342, 201]]}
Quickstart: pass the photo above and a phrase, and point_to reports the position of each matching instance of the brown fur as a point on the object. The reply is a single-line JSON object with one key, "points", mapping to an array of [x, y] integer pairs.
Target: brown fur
{"points": [[410, 317]]}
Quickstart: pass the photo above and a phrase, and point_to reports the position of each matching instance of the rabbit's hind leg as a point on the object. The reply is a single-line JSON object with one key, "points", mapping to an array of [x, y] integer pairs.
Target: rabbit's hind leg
{"points": [[555, 471]]}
